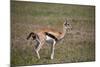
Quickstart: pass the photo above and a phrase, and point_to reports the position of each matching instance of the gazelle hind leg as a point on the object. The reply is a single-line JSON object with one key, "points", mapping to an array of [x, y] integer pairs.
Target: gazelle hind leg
{"points": [[37, 49], [38, 55], [52, 49]]}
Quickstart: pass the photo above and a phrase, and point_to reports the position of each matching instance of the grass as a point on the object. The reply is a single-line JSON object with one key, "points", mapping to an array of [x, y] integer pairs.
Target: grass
{"points": [[77, 46]]}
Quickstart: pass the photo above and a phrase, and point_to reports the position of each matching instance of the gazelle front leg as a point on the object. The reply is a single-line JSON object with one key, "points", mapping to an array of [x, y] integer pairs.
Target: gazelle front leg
{"points": [[52, 49]]}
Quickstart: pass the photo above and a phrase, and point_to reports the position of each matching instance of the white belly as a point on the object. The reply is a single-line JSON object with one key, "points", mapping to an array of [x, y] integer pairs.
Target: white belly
{"points": [[49, 40]]}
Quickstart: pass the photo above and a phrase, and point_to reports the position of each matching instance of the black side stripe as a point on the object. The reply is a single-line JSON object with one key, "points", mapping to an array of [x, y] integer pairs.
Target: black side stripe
{"points": [[52, 36]]}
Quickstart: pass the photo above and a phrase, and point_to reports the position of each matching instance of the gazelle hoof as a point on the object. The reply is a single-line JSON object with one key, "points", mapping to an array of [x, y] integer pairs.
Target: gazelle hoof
{"points": [[51, 58]]}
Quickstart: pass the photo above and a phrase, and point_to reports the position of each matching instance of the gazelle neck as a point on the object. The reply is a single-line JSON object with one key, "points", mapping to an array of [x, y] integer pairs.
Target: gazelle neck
{"points": [[63, 33]]}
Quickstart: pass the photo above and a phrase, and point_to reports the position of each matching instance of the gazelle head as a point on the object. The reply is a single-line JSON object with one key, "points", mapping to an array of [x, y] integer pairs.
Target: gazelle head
{"points": [[67, 25]]}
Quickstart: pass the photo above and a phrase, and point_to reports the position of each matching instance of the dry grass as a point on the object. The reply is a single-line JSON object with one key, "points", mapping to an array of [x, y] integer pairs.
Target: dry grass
{"points": [[77, 46]]}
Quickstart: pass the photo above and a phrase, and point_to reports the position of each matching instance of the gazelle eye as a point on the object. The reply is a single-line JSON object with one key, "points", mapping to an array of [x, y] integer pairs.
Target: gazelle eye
{"points": [[67, 24]]}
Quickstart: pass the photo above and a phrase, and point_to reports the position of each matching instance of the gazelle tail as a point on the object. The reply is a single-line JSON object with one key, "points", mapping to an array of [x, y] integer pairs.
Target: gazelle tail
{"points": [[32, 34]]}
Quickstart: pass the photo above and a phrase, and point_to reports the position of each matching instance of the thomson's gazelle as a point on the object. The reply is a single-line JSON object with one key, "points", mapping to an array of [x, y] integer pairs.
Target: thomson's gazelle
{"points": [[50, 36]]}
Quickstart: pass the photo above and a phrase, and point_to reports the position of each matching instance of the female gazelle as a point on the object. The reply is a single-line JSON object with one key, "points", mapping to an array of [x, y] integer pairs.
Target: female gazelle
{"points": [[50, 36]]}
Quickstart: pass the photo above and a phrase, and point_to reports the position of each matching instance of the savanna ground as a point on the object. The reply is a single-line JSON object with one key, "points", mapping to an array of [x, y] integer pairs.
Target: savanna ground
{"points": [[77, 46]]}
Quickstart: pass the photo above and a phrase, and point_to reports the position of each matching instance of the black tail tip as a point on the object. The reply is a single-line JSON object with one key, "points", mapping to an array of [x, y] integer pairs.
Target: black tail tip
{"points": [[31, 34], [27, 38]]}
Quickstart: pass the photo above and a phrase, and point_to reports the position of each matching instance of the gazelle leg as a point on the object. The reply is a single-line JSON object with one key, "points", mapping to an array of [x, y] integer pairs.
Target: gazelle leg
{"points": [[37, 49], [38, 55], [52, 49]]}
